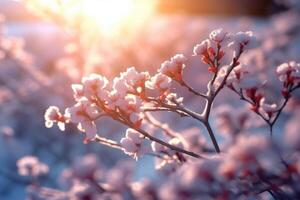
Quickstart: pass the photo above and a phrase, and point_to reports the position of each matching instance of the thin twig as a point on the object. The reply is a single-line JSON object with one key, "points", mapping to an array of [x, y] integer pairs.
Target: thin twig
{"points": [[184, 84], [107, 142]]}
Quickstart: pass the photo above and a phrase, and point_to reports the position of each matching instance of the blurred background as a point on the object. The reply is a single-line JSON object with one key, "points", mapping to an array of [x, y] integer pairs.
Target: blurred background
{"points": [[45, 45]]}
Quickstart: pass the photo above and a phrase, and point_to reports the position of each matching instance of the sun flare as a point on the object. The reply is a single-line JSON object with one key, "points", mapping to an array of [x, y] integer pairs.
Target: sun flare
{"points": [[107, 15]]}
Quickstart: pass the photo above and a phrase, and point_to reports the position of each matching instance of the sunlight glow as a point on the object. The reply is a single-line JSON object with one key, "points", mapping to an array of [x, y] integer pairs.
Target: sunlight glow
{"points": [[107, 15]]}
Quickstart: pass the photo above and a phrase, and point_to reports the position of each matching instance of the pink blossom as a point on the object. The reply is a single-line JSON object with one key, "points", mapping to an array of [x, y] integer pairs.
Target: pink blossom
{"points": [[132, 143], [84, 113], [131, 104], [53, 115], [135, 79], [93, 85]]}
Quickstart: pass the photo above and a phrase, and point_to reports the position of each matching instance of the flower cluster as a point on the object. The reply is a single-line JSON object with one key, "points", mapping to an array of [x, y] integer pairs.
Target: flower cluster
{"points": [[250, 90], [209, 52], [226, 177], [31, 166], [289, 75]]}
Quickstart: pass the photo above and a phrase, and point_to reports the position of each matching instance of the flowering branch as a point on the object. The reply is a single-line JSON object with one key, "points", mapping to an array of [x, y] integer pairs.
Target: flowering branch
{"points": [[130, 96], [288, 74]]}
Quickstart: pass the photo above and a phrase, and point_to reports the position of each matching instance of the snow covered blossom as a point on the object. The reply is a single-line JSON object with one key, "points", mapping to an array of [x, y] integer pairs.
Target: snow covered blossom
{"points": [[201, 48], [242, 41], [53, 115], [174, 67], [133, 143], [159, 81], [211, 50], [219, 35], [289, 74], [31, 166]]}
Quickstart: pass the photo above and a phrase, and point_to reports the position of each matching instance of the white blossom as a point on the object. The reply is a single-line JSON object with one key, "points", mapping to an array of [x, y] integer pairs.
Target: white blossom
{"points": [[31, 166]]}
